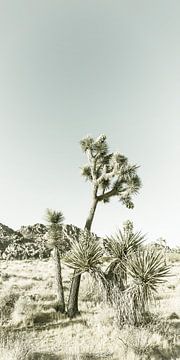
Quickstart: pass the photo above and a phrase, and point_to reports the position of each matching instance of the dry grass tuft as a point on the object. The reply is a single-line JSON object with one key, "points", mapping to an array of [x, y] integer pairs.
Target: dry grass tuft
{"points": [[7, 303], [28, 312], [13, 347], [24, 310]]}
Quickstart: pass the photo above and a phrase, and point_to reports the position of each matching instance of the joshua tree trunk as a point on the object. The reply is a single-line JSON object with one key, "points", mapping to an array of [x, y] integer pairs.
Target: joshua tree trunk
{"points": [[72, 309], [74, 291], [60, 290], [91, 215]]}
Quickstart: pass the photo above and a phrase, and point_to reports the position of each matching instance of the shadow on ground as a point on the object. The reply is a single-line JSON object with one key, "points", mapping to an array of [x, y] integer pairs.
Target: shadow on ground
{"points": [[43, 356], [40, 326], [50, 356]]}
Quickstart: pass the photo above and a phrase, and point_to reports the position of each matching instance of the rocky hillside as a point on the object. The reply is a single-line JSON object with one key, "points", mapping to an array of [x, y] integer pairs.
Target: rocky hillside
{"points": [[30, 241], [7, 236], [33, 232], [5, 231]]}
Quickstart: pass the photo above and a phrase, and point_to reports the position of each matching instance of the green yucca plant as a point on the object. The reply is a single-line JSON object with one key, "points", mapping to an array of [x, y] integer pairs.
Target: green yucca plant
{"points": [[119, 248], [124, 243], [133, 274], [147, 269], [86, 254]]}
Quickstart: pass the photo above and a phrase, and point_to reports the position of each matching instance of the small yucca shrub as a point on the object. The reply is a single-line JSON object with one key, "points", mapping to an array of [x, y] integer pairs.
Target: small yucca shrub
{"points": [[146, 270]]}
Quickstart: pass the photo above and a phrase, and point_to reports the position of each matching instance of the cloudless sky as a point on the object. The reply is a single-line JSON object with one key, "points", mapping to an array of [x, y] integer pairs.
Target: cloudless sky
{"points": [[69, 68]]}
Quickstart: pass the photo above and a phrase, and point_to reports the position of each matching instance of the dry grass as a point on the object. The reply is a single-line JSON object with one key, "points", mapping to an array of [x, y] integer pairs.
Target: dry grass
{"points": [[13, 347], [27, 291]]}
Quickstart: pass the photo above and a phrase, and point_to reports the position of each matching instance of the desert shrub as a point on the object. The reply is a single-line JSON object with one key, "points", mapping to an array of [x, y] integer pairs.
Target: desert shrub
{"points": [[164, 328], [5, 276], [29, 311], [7, 303], [24, 310], [154, 341]]}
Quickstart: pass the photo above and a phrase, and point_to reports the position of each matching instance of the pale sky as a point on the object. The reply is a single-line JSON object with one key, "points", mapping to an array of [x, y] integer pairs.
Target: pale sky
{"points": [[71, 68]]}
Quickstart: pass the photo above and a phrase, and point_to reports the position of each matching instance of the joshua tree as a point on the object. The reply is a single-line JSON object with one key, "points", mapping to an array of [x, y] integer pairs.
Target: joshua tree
{"points": [[55, 220], [110, 175]]}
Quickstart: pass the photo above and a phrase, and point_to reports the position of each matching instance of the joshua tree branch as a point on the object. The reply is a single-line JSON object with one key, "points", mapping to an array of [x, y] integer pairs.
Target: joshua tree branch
{"points": [[93, 170], [107, 194], [107, 175]]}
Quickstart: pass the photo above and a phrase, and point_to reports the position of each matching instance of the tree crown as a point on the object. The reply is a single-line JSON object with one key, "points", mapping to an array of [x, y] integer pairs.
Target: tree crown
{"points": [[55, 220], [110, 173]]}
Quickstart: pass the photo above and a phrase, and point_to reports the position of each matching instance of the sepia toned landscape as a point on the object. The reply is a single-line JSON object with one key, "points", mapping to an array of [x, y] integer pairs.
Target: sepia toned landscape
{"points": [[89, 180]]}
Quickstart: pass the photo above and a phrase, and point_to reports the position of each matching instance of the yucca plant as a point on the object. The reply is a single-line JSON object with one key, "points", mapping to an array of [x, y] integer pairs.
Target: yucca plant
{"points": [[119, 248], [86, 254], [133, 274], [146, 270], [55, 241]]}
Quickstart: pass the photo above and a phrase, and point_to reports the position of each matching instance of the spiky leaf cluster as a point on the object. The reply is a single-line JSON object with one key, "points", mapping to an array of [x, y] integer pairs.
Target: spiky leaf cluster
{"points": [[148, 270], [54, 217], [119, 248], [55, 236], [86, 172], [123, 244], [110, 173], [98, 146], [85, 254]]}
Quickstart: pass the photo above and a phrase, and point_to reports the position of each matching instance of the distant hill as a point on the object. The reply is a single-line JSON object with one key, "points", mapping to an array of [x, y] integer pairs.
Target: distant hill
{"points": [[30, 241], [7, 236]]}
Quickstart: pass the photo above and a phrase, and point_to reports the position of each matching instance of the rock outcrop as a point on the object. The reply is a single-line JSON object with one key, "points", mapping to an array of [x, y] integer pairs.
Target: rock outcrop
{"points": [[7, 236], [31, 241]]}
